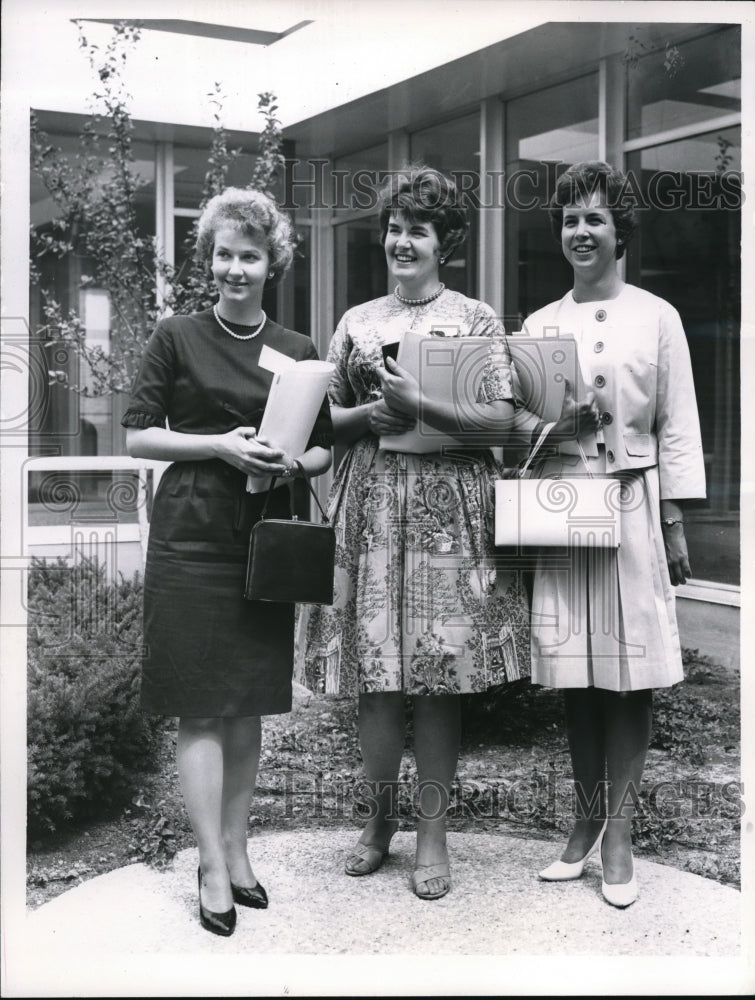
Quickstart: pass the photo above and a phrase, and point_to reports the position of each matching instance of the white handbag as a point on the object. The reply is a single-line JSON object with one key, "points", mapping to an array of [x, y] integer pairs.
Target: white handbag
{"points": [[557, 511]]}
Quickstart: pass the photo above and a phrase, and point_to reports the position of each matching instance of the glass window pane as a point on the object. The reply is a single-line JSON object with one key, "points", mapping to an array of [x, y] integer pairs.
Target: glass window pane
{"points": [[300, 276], [74, 424], [69, 497], [666, 90], [557, 125], [545, 133], [183, 239], [453, 147], [190, 167], [687, 250], [357, 179], [44, 210], [361, 273]]}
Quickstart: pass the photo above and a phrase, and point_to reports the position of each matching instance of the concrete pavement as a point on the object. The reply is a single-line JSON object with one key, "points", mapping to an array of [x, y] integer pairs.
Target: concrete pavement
{"points": [[112, 925]]}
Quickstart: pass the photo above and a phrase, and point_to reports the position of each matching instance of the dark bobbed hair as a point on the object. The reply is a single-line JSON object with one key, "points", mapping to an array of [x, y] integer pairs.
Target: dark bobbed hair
{"points": [[422, 194], [254, 214], [582, 180]]}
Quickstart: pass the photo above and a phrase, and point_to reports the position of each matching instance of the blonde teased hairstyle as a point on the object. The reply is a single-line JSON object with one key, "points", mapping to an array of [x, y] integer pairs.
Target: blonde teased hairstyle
{"points": [[252, 213]]}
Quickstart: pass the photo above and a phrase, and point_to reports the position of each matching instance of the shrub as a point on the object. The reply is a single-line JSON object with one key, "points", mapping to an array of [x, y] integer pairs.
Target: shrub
{"points": [[88, 742]]}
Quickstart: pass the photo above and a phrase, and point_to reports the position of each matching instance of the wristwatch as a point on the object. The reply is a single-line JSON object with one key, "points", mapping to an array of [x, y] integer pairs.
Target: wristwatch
{"points": [[669, 522], [290, 471]]}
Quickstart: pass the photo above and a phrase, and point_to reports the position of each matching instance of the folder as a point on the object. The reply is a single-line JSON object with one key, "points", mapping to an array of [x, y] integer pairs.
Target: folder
{"points": [[449, 368], [541, 366]]}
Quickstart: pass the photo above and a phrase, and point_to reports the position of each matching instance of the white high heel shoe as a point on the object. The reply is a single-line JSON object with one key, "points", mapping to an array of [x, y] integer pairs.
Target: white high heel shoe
{"points": [[622, 894], [565, 871]]}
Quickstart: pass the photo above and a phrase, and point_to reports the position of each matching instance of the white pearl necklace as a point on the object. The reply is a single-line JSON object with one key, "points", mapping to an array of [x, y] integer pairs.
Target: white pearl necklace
{"points": [[418, 302], [239, 336]]}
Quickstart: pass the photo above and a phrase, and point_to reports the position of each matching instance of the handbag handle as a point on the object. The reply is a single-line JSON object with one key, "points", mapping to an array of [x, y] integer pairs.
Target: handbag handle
{"points": [[584, 457], [538, 445], [536, 448], [305, 477]]}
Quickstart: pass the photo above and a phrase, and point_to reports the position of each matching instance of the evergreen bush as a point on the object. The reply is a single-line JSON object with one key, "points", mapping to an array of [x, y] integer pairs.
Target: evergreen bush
{"points": [[88, 742]]}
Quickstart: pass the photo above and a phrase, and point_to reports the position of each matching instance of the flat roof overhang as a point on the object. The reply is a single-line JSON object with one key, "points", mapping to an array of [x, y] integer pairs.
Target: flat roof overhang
{"points": [[538, 57]]}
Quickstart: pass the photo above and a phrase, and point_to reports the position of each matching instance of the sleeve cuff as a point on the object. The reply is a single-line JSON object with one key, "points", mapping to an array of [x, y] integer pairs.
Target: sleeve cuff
{"points": [[320, 439], [141, 419]]}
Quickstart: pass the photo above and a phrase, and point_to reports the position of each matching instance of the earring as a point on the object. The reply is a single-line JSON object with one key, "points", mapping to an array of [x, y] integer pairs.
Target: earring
{"points": [[271, 274], [442, 260]]}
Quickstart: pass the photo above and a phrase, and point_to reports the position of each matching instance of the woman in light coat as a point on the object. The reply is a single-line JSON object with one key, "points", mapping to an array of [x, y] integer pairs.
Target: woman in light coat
{"points": [[605, 630]]}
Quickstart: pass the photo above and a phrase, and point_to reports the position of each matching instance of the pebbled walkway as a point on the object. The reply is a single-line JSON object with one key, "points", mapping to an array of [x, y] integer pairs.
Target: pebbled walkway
{"points": [[497, 907]]}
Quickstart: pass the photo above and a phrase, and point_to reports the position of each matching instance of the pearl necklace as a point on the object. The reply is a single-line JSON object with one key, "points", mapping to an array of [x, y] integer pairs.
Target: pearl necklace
{"points": [[418, 302], [239, 336]]}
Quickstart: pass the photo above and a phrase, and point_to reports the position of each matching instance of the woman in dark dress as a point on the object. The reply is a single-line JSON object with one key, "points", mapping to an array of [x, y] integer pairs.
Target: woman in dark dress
{"points": [[217, 661]]}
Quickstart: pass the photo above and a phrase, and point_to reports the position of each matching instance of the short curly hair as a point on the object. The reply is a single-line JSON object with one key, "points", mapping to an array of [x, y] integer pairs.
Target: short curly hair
{"points": [[582, 180], [255, 214], [422, 194]]}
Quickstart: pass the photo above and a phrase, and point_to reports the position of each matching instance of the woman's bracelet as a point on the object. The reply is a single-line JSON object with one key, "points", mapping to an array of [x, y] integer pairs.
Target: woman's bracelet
{"points": [[669, 522]]}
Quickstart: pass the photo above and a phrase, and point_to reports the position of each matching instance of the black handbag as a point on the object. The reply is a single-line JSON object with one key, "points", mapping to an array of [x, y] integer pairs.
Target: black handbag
{"points": [[291, 561]]}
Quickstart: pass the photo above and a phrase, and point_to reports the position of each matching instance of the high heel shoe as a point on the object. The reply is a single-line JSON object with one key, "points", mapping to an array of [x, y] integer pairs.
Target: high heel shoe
{"points": [[565, 871], [620, 894], [255, 897], [217, 923]]}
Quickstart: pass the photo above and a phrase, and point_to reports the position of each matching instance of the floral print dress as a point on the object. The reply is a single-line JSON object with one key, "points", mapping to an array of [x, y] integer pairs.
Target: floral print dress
{"points": [[417, 604]]}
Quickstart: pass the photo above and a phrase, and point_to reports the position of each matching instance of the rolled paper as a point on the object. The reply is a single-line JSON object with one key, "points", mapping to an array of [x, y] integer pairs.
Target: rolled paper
{"points": [[293, 403]]}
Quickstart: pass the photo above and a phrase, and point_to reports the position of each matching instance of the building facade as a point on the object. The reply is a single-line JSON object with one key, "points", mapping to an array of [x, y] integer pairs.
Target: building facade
{"points": [[661, 101]]}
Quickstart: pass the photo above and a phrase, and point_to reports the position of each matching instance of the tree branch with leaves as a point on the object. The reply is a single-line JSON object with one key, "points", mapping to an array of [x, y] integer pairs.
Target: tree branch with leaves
{"points": [[95, 195]]}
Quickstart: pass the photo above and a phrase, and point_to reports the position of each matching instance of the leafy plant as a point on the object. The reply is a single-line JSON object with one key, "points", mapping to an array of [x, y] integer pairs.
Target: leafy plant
{"points": [[190, 288], [673, 58], [88, 742], [96, 198], [270, 159], [154, 831], [95, 194]]}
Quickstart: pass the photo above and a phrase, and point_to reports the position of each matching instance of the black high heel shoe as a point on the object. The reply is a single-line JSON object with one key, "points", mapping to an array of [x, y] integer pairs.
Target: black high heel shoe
{"points": [[217, 923], [255, 897]]}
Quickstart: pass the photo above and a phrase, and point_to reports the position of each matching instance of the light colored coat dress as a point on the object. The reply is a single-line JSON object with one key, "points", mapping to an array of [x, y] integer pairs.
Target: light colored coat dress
{"points": [[607, 618]]}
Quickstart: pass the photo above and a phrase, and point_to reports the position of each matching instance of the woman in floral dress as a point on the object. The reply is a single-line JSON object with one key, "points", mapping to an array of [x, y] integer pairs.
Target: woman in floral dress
{"points": [[417, 610]]}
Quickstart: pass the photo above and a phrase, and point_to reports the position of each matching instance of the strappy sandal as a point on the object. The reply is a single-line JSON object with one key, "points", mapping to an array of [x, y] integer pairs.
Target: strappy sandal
{"points": [[369, 855], [425, 873]]}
